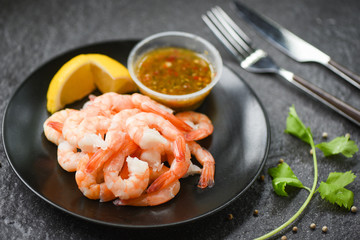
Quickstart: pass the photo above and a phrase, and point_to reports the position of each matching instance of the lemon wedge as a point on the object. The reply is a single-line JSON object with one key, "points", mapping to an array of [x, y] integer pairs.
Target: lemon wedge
{"points": [[110, 75], [82, 74]]}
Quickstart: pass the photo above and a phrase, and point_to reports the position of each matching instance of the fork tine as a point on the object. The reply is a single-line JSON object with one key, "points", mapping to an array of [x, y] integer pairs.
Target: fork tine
{"points": [[235, 48], [230, 33], [222, 38], [227, 32], [234, 26]]}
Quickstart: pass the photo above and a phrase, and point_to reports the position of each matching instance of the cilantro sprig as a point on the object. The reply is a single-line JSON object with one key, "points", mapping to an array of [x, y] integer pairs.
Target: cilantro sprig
{"points": [[333, 190], [338, 145], [283, 176]]}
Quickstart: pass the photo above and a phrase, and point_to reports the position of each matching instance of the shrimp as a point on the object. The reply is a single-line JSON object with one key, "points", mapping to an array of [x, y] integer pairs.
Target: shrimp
{"points": [[134, 185], [138, 171], [114, 136], [68, 157], [202, 126], [54, 124], [92, 184], [86, 132], [207, 161], [146, 104], [152, 199], [139, 129]]}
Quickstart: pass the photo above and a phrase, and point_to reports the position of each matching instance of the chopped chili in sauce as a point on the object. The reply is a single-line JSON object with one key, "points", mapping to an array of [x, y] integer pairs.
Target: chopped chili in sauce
{"points": [[174, 71]]}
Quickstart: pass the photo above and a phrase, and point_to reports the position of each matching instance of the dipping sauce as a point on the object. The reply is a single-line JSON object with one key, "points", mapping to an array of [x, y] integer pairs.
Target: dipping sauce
{"points": [[173, 71]]}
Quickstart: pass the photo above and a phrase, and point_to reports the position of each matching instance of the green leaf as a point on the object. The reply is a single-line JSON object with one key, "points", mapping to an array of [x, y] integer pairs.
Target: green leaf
{"points": [[338, 145], [333, 189], [296, 127], [283, 176]]}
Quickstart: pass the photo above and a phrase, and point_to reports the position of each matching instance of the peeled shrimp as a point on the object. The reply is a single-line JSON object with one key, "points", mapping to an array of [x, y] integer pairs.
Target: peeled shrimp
{"points": [[54, 124], [202, 126], [86, 132], [134, 185], [68, 156], [156, 198], [92, 184], [207, 161]]}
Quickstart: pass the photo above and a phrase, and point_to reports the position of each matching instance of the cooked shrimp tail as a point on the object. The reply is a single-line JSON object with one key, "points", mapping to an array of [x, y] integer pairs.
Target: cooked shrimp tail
{"points": [[197, 134], [149, 107], [56, 126], [179, 147], [207, 176], [98, 159], [162, 181], [116, 140], [146, 104], [53, 126], [207, 161]]}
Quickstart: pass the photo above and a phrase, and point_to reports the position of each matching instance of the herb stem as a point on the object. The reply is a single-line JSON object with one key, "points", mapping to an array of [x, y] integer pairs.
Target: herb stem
{"points": [[312, 191], [307, 188]]}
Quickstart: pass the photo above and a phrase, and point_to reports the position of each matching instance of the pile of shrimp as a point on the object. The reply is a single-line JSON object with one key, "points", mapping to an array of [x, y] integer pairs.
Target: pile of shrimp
{"points": [[130, 149]]}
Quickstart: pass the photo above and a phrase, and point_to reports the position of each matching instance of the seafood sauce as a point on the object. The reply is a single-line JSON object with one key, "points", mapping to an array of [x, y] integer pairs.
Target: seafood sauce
{"points": [[174, 71]]}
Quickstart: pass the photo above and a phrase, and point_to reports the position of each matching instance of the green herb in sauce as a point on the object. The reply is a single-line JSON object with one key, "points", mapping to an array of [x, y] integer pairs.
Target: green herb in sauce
{"points": [[174, 71]]}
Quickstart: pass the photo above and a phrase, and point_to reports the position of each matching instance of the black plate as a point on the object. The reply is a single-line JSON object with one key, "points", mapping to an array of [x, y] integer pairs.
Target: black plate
{"points": [[239, 144]]}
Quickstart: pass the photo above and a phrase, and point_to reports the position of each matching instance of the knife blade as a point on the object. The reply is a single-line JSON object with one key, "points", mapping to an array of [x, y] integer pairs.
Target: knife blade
{"points": [[292, 45]]}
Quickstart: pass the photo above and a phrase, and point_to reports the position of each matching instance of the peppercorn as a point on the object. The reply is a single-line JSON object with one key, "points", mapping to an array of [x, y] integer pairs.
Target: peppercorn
{"points": [[295, 229], [353, 209], [311, 152], [325, 135], [324, 229], [347, 135], [262, 178], [281, 160], [313, 226], [256, 212], [230, 216], [284, 238]]}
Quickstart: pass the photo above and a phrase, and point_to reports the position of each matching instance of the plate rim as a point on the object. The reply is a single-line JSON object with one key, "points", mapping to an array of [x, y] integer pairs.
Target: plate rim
{"points": [[231, 68]]}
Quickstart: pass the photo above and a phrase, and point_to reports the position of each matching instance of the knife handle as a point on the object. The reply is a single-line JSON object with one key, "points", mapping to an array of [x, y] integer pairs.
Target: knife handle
{"points": [[336, 104], [345, 73]]}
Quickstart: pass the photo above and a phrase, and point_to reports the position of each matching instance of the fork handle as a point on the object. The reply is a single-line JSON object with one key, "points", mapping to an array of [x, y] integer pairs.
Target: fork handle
{"points": [[345, 73], [336, 104]]}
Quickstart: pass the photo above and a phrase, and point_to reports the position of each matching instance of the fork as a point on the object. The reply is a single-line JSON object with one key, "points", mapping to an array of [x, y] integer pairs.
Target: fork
{"points": [[258, 61]]}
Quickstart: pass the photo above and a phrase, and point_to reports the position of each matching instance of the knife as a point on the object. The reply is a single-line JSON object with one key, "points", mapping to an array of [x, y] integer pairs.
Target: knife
{"points": [[292, 45]]}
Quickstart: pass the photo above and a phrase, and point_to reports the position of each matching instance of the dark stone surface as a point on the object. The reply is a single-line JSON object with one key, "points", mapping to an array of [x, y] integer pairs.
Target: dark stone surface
{"points": [[32, 32]]}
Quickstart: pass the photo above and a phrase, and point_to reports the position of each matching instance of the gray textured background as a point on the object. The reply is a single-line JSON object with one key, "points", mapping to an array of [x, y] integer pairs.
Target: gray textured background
{"points": [[33, 32]]}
